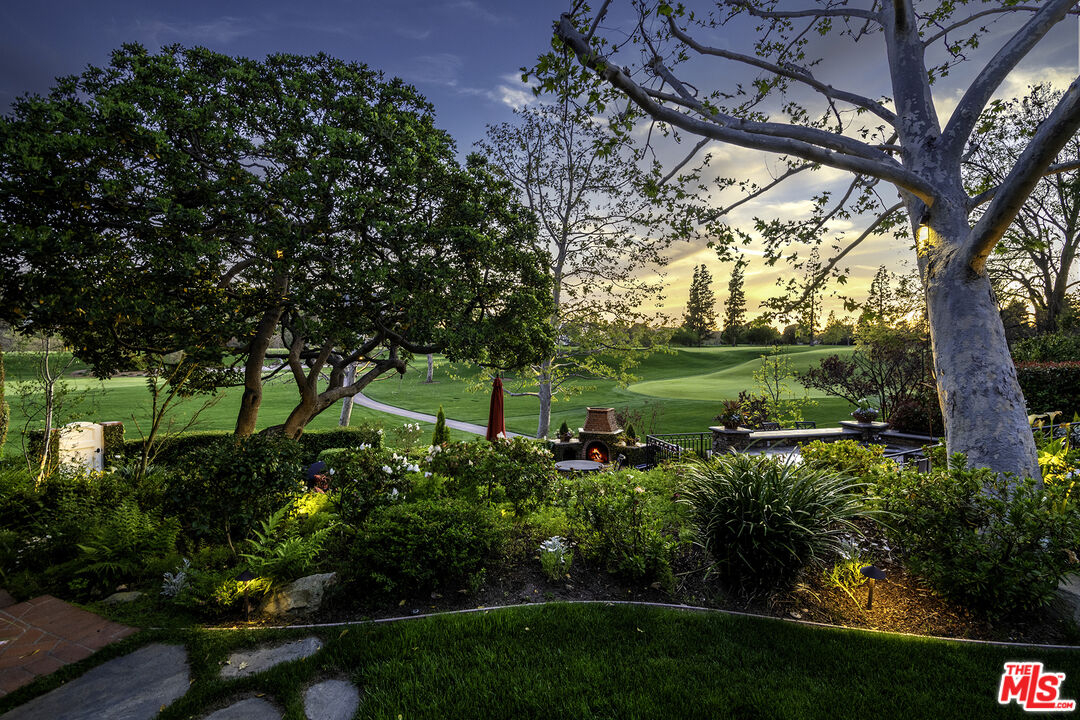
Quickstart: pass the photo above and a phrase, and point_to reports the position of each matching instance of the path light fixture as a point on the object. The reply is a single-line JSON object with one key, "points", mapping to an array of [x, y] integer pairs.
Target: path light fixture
{"points": [[874, 573], [244, 578]]}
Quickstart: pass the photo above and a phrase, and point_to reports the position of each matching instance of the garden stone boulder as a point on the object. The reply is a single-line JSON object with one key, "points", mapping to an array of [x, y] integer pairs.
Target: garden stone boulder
{"points": [[300, 596], [122, 598]]}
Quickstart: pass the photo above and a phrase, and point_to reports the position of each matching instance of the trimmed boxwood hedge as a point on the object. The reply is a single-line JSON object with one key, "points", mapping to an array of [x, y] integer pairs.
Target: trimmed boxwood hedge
{"points": [[1050, 386], [313, 442]]}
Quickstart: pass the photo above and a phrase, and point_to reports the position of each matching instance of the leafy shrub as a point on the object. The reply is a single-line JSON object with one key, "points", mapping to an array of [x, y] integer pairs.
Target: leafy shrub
{"points": [[224, 488], [1050, 385], [920, 414], [845, 456], [424, 545], [763, 519], [1049, 347], [623, 524], [995, 544]]}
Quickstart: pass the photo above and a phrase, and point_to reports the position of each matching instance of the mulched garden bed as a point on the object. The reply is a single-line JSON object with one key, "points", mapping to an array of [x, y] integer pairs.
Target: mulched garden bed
{"points": [[902, 603]]}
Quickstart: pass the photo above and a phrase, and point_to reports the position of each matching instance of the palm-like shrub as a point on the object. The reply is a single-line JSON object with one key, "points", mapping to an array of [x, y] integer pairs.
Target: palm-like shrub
{"points": [[763, 520]]}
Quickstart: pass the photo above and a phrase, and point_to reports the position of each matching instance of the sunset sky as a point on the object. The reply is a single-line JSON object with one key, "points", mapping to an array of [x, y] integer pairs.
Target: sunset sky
{"points": [[465, 56]]}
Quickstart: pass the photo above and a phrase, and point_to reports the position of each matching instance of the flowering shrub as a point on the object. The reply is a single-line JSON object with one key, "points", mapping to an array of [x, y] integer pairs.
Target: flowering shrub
{"points": [[368, 477], [516, 470], [407, 436]]}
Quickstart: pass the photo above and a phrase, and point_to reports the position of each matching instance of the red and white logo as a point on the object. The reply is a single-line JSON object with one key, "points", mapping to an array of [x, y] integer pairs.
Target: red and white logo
{"points": [[1033, 689]]}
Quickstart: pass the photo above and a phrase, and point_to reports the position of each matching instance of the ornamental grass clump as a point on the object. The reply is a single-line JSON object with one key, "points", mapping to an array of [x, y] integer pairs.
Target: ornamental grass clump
{"points": [[763, 520]]}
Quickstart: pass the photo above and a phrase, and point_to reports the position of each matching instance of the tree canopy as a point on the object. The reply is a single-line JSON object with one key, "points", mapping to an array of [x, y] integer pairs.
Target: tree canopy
{"points": [[190, 201]]}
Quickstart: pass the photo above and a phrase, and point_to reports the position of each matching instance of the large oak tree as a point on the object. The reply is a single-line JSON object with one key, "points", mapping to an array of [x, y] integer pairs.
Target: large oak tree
{"points": [[293, 215], [669, 67]]}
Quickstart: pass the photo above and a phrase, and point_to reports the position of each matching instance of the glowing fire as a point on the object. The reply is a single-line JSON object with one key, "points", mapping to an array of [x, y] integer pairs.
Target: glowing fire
{"points": [[597, 454]]}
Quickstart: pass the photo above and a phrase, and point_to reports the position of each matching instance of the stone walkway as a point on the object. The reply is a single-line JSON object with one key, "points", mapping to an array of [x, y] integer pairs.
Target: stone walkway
{"points": [[40, 636], [365, 401], [139, 685]]}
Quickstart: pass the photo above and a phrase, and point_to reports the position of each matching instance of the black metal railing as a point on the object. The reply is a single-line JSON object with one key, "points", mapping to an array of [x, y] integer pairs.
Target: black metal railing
{"points": [[676, 445]]}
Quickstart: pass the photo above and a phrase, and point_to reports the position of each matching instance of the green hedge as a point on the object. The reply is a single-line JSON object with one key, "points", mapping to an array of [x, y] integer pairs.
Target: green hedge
{"points": [[312, 442], [1050, 386]]}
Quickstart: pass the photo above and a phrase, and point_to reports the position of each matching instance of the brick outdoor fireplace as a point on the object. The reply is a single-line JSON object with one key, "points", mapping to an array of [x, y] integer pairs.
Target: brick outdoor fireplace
{"points": [[600, 440]]}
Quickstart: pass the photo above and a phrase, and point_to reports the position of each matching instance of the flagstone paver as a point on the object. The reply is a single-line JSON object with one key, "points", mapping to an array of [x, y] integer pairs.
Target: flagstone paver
{"points": [[331, 700], [39, 636], [250, 709], [131, 687], [249, 662]]}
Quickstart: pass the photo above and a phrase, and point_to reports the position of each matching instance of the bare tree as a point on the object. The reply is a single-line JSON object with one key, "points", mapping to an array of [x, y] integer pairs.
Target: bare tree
{"points": [[1033, 262], [587, 194], [889, 137]]}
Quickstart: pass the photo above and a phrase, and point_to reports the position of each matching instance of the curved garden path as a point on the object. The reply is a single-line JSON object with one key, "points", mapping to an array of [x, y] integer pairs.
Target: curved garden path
{"points": [[365, 401]]}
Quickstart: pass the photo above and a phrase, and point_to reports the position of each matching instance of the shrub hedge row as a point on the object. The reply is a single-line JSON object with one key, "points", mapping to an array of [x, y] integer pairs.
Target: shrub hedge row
{"points": [[312, 442], [1050, 386]]}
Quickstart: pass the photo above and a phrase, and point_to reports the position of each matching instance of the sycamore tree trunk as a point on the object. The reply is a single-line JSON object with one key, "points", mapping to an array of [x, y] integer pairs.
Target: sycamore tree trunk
{"points": [[347, 403], [430, 369], [253, 369], [981, 401], [543, 426]]}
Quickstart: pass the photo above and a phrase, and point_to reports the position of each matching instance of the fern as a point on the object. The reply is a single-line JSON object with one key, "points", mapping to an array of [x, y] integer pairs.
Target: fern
{"points": [[279, 551]]}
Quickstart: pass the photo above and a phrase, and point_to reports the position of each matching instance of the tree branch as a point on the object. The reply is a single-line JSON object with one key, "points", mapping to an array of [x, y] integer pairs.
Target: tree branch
{"points": [[988, 195], [808, 12], [803, 77], [1051, 136], [982, 88], [886, 170]]}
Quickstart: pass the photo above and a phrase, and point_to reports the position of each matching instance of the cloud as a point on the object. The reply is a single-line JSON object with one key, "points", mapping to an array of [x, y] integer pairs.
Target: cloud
{"points": [[476, 10], [221, 31], [413, 33], [439, 69]]}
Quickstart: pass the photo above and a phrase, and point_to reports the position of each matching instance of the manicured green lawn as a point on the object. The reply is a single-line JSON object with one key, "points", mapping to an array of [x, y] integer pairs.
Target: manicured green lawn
{"points": [[572, 661], [688, 384]]}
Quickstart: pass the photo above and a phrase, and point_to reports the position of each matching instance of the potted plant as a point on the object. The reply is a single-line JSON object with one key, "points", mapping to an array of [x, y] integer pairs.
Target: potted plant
{"points": [[864, 412], [731, 414], [630, 436], [564, 432]]}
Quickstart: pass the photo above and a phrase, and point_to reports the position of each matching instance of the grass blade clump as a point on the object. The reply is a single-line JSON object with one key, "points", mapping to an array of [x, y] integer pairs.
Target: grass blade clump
{"points": [[762, 520]]}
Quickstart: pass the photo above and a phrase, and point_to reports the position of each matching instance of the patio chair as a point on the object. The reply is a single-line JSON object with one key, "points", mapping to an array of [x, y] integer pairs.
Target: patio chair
{"points": [[805, 424], [770, 426]]}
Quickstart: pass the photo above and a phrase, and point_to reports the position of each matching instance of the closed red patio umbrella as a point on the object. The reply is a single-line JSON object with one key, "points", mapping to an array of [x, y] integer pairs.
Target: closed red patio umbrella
{"points": [[496, 421]]}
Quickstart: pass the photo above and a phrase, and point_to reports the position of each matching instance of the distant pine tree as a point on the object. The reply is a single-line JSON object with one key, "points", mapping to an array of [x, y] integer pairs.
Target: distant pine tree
{"points": [[735, 310], [700, 317], [442, 433]]}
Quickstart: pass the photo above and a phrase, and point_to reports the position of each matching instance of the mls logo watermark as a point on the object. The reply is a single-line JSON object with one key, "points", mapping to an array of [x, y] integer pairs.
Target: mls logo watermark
{"points": [[1033, 689]]}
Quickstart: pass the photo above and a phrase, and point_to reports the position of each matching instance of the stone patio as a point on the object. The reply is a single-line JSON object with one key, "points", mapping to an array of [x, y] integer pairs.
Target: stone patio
{"points": [[40, 636]]}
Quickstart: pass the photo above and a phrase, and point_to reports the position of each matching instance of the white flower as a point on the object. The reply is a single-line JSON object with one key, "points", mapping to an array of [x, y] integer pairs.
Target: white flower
{"points": [[387, 469], [394, 493], [427, 474], [412, 468]]}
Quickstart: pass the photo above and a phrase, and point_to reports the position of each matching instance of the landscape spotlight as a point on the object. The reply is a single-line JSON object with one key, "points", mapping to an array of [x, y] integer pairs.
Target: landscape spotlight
{"points": [[874, 573]]}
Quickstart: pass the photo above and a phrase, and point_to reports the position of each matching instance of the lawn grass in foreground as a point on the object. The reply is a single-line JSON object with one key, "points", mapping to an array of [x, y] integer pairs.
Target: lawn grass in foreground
{"points": [[598, 661]]}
